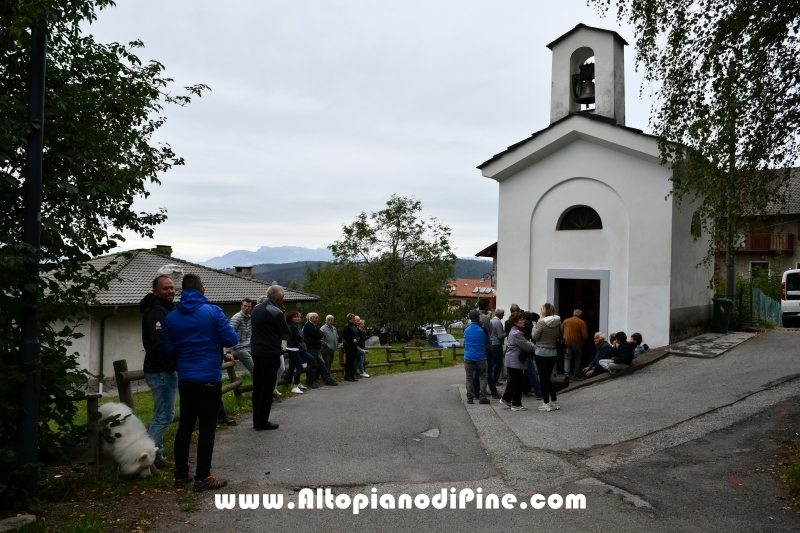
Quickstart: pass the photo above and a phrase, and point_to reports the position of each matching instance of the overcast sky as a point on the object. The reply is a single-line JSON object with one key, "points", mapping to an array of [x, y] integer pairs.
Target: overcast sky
{"points": [[321, 110]]}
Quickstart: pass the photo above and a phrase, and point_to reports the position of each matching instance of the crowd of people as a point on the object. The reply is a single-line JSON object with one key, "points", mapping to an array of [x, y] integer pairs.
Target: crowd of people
{"points": [[184, 347], [524, 351]]}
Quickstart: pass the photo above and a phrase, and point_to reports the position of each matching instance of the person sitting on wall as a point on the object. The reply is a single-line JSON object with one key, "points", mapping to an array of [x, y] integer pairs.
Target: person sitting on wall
{"points": [[640, 348], [621, 354], [602, 351]]}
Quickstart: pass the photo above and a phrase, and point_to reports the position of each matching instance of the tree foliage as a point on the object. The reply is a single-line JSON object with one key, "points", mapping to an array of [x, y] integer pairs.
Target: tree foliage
{"points": [[727, 112], [341, 291], [403, 263], [102, 107]]}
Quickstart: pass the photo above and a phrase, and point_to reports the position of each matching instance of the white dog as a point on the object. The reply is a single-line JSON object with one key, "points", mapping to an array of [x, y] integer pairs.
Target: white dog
{"points": [[134, 451]]}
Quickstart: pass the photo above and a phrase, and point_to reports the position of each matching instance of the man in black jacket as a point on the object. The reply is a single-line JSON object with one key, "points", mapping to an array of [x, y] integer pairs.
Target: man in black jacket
{"points": [[159, 370], [313, 339], [602, 351], [350, 343], [269, 329]]}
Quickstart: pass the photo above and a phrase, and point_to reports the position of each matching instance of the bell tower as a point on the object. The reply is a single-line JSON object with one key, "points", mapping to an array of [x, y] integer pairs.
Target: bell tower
{"points": [[588, 74]]}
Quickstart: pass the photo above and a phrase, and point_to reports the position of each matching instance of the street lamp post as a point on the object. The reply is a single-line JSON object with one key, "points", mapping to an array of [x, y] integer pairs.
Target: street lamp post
{"points": [[29, 352]]}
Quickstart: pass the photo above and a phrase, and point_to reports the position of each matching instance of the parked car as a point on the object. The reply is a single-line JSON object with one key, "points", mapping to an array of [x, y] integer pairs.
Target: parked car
{"points": [[790, 297], [443, 340], [430, 329]]}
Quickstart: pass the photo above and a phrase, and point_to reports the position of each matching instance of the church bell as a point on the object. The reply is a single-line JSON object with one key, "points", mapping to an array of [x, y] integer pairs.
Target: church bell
{"points": [[583, 84]]}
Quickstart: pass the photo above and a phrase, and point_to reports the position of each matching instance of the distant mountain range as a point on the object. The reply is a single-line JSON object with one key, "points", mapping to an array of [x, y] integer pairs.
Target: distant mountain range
{"points": [[285, 273], [269, 255]]}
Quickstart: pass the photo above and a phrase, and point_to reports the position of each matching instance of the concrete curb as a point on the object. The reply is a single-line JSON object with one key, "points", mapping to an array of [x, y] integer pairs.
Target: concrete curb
{"points": [[647, 359]]}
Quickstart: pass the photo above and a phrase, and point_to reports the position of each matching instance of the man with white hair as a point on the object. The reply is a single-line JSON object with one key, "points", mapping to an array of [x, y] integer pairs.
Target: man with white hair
{"points": [[602, 351], [313, 338], [269, 330], [330, 341]]}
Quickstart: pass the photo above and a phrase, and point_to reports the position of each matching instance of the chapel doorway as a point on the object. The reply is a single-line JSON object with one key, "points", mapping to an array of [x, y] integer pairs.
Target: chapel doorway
{"points": [[583, 294]]}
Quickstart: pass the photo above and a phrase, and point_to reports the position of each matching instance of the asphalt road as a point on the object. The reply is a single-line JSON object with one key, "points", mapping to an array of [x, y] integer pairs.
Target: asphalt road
{"points": [[684, 445]]}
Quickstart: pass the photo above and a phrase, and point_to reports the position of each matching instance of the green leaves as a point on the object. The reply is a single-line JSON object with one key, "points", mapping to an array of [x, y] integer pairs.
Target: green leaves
{"points": [[102, 107], [727, 108], [402, 263]]}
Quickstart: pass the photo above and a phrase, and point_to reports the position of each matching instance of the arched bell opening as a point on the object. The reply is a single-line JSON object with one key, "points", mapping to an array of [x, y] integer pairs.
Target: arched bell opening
{"points": [[582, 78]]}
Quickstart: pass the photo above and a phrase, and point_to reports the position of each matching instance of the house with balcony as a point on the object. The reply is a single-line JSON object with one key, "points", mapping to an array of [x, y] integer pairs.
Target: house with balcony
{"points": [[772, 239]]}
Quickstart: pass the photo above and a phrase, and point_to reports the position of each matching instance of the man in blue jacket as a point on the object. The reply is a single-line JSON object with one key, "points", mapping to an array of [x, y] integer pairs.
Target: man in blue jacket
{"points": [[476, 342], [194, 335]]}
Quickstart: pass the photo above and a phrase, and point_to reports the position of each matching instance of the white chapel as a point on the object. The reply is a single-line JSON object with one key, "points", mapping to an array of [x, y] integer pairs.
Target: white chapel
{"points": [[586, 219]]}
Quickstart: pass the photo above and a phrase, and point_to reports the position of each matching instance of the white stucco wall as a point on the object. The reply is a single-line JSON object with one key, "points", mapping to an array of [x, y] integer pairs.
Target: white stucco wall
{"points": [[689, 294], [635, 244]]}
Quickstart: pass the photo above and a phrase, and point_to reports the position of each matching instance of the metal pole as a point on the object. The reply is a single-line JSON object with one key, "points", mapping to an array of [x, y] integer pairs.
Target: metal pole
{"points": [[29, 356]]}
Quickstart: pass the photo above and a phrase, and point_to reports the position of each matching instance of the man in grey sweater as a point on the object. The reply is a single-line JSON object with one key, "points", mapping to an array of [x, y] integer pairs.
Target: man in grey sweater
{"points": [[497, 333], [330, 341], [240, 322]]}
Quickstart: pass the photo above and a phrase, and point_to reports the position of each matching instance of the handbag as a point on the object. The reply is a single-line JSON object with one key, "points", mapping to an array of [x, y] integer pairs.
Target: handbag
{"points": [[523, 356], [561, 346]]}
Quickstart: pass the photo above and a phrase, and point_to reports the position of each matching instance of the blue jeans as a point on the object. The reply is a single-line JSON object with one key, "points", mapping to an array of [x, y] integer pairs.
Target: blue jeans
{"points": [[281, 370], [360, 354], [497, 363], [533, 377], [490, 376], [165, 388], [296, 360]]}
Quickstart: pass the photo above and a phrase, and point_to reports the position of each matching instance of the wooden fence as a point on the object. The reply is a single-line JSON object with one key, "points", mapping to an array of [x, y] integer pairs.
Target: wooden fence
{"points": [[407, 355], [89, 453]]}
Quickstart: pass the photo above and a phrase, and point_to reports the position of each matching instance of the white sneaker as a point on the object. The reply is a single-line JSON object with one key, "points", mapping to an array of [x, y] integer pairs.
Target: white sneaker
{"points": [[504, 403], [554, 405], [364, 375], [297, 390], [276, 393], [544, 407], [302, 387], [518, 408]]}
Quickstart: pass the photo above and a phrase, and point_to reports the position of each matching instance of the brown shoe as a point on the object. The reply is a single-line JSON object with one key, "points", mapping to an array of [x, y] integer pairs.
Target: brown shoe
{"points": [[163, 464], [209, 483]]}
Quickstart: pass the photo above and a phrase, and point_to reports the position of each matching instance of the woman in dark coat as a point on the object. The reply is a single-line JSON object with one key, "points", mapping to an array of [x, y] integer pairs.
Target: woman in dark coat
{"points": [[518, 350], [297, 356], [350, 337]]}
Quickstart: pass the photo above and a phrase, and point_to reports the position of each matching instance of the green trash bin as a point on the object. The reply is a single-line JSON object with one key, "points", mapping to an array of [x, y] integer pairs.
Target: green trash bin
{"points": [[723, 308]]}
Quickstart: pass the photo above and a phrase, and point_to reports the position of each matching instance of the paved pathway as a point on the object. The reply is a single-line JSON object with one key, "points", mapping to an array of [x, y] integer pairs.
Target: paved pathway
{"points": [[412, 433]]}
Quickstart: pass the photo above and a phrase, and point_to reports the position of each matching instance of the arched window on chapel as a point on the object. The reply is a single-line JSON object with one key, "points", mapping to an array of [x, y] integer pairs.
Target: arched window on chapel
{"points": [[579, 217]]}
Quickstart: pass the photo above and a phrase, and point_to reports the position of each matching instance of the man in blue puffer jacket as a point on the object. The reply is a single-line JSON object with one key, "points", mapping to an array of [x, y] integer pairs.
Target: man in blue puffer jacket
{"points": [[476, 342], [194, 335]]}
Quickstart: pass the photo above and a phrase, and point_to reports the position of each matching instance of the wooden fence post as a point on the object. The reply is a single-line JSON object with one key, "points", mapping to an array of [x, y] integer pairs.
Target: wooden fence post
{"points": [[123, 386], [232, 378]]}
